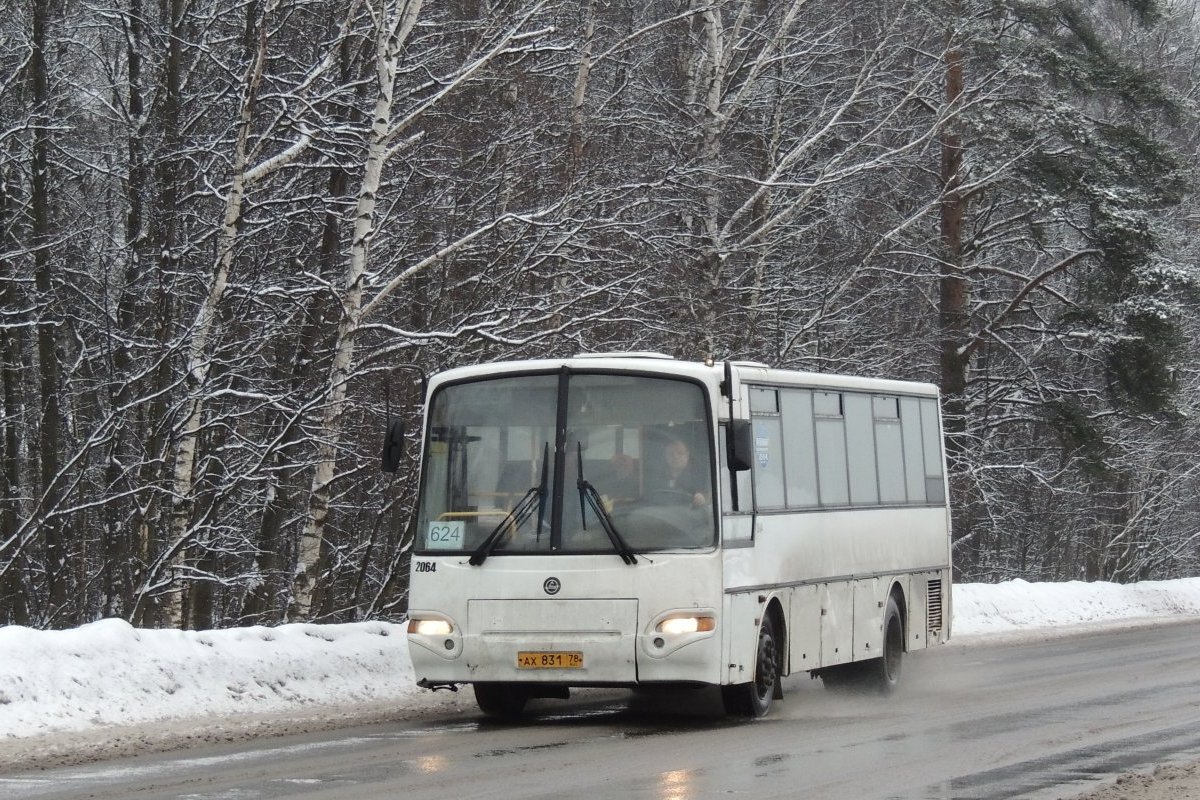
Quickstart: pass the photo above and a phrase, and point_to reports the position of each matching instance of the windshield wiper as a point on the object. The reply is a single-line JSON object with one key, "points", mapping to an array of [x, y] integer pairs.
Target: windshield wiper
{"points": [[534, 498], [589, 497]]}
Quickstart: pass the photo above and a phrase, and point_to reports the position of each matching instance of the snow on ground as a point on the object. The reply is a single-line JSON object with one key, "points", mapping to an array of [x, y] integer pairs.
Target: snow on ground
{"points": [[109, 674], [1018, 607]]}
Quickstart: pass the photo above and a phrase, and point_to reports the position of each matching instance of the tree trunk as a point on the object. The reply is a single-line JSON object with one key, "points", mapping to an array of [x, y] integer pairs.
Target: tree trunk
{"points": [[266, 603], [576, 140], [49, 370], [118, 554], [14, 608], [309, 590], [953, 310], [148, 529], [709, 90], [203, 329]]}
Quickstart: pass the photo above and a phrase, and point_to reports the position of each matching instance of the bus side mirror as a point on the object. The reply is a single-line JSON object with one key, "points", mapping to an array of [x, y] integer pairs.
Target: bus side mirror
{"points": [[741, 446], [393, 445]]}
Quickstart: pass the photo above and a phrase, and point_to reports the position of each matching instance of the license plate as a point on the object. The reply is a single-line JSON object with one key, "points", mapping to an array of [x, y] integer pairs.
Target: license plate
{"points": [[549, 659]]}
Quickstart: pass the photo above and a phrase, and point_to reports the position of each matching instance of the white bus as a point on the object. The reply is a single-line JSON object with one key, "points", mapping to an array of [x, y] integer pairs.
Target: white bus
{"points": [[632, 520]]}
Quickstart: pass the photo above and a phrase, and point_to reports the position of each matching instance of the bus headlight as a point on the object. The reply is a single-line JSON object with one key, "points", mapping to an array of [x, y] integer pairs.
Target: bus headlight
{"points": [[679, 625], [436, 633], [681, 629], [430, 627]]}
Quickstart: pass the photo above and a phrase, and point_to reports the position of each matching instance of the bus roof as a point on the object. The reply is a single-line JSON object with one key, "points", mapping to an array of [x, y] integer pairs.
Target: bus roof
{"points": [[705, 371], [757, 373]]}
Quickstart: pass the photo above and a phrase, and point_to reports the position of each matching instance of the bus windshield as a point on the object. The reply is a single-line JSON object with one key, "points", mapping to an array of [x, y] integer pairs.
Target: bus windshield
{"points": [[636, 457]]}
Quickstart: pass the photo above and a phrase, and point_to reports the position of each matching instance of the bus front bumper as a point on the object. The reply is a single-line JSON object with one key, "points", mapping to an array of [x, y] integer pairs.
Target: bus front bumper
{"points": [[569, 642]]}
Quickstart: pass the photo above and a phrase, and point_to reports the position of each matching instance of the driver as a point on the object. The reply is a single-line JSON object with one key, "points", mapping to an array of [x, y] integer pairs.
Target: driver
{"points": [[679, 475]]}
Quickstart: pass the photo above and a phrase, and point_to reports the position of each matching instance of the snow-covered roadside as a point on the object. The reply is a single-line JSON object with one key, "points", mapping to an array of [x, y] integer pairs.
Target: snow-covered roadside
{"points": [[1021, 609], [103, 680], [109, 673]]}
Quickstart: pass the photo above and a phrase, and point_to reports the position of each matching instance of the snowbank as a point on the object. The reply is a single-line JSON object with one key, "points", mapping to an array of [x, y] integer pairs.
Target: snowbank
{"points": [[1018, 606], [109, 673]]}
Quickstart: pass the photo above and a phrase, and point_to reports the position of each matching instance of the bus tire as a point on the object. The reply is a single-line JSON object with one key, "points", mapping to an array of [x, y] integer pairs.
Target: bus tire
{"points": [[883, 673], [753, 699], [501, 700]]}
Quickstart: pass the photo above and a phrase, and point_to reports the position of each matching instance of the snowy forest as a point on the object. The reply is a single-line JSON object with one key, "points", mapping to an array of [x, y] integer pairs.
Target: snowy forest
{"points": [[233, 233]]}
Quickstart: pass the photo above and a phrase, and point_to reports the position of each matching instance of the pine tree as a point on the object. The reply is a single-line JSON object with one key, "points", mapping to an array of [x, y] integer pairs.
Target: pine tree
{"points": [[1066, 301]]}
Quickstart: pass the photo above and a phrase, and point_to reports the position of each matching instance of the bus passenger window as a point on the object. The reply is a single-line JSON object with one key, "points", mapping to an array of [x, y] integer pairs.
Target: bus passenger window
{"points": [[931, 434], [768, 462], [889, 450], [764, 401], [798, 442], [914, 459], [831, 449], [860, 446]]}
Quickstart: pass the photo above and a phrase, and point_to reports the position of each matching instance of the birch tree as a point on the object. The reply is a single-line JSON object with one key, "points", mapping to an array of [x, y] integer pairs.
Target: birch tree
{"points": [[388, 136], [197, 366], [244, 174]]}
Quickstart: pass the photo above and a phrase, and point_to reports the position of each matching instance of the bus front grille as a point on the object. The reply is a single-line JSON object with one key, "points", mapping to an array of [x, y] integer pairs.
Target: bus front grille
{"points": [[600, 633]]}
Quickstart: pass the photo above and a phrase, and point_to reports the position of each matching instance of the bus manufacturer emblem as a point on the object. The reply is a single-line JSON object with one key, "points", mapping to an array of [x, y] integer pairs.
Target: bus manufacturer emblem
{"points": [[552, 585]]}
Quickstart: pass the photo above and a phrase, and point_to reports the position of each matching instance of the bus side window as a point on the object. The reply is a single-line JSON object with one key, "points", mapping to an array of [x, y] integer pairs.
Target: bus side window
{"points": [[799, 444], [831, 449], [931, 434], [860, 449], [914, 458], [767, 464], [889, 450]]}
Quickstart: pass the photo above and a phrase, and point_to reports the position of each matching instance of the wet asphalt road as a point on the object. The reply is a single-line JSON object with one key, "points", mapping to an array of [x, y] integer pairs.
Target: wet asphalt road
{"points": [[1044, 720]]}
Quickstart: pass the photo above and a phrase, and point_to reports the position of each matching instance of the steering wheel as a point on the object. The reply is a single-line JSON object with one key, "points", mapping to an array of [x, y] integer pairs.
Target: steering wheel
{"points": [[667, 496]]}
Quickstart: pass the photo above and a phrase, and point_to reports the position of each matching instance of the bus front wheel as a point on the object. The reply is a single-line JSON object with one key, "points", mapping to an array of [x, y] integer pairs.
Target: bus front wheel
{"points": [[501, 700], [754, 699]]}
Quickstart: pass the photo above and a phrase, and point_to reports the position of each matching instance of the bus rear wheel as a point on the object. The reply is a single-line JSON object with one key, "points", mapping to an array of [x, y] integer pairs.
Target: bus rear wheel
{"points": [[883, 674], [754, 699], [501, 700], [877, 674]]}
